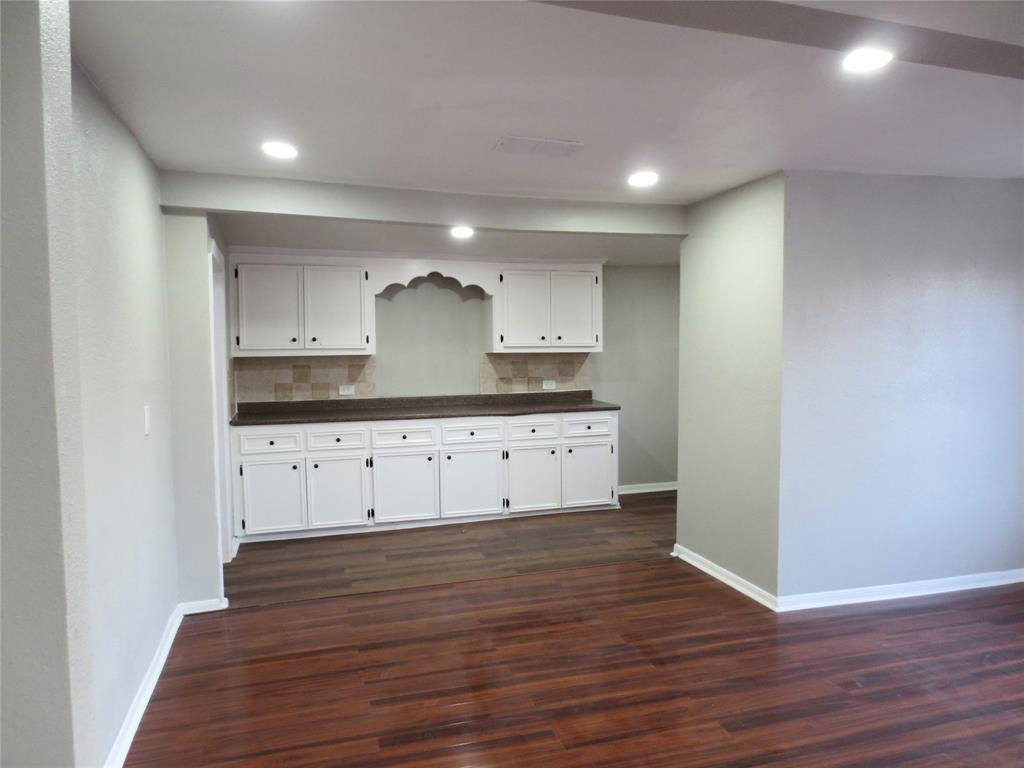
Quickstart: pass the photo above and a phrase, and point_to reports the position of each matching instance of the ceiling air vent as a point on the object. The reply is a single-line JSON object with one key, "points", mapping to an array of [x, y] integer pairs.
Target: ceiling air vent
{"points": [[523, 145]]}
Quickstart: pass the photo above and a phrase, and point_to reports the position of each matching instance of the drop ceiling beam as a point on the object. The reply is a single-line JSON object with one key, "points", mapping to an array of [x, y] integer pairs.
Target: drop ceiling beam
{"points": [[243, 194]]}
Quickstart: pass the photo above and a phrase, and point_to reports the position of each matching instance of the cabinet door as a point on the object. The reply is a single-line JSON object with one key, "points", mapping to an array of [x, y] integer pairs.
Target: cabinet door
{"points": [[587, 474], [405, 486], [572, 309], [336, 491], [334, 308], [534, 478], [269, 306], [471, 482], [527, 309], [275, 498]]}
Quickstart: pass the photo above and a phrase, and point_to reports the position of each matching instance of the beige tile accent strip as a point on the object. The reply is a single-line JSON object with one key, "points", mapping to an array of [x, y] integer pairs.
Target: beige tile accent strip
{"points": [[263, 379]]}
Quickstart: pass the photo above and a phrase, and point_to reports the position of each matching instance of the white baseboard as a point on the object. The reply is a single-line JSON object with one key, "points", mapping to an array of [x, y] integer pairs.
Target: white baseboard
{"points": [[130, 724], [836, 597], [895, 591], [647, 488], [726, 576], [203, 606]]}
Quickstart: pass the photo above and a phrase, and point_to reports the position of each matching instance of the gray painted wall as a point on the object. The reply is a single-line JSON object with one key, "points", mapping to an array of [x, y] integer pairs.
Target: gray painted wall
{"points": [[902, 405], [122, 320], [730, 357], [431, 337], [190, 323], [433, 334], [639, 368], [46, 701]]}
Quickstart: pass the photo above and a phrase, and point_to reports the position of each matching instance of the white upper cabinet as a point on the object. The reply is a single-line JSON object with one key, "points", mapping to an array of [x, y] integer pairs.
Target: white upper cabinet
{"points": [[334, 308], [269, 307], [572, 309], [289, 304], [527, 296]]}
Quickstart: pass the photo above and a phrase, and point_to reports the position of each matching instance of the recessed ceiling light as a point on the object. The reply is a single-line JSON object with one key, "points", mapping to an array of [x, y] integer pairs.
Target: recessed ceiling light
{"points": [[462, 232], [862, 60], [643, 179], [280, 150]]}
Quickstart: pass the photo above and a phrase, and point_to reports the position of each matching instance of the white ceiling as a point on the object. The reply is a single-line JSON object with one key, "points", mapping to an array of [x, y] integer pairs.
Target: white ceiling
{"points": [[415, 95], [307, 232]]}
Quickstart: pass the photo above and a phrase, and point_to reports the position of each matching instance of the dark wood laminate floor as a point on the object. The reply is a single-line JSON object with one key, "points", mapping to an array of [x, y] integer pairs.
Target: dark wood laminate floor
{"points": [[633, 664], [301, 569]]}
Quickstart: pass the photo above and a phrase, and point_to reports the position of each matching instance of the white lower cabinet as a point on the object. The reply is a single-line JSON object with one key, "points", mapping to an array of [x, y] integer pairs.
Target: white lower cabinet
{"points": [[471, 482], [405, 486], [336, 491], [349, 477], [587, 474], [534, 478], [275, 495]]}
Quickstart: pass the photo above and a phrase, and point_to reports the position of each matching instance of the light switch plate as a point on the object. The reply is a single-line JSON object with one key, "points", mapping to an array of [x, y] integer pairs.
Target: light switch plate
{"points": [[146, 422], [346, 389], [549, 384]]}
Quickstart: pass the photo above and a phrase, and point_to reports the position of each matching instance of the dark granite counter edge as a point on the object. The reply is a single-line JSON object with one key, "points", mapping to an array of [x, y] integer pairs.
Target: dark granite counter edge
{"points": [[388, 409]]}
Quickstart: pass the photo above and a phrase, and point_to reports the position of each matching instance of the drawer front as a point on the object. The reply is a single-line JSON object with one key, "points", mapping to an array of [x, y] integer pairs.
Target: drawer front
{"points": [[271, 443], [402, 438], [532, 430], [472, 433], [336, 439], [576, 427]]}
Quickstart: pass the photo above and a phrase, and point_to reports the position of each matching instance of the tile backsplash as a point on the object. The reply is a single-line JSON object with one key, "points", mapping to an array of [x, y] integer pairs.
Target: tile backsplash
{"points": [[259, 379], [262, 379], [527, 372]]}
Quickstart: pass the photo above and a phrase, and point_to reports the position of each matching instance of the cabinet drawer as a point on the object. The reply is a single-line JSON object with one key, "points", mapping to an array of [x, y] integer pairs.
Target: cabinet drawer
{"points": [[471, 433], [587, 427], [271, 443], [531, 430], [400, 438], [337, 439]]}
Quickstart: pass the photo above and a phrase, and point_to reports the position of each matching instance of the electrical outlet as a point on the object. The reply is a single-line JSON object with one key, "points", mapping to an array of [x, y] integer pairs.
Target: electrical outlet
{"points": [[549, 384], [346, 389]]}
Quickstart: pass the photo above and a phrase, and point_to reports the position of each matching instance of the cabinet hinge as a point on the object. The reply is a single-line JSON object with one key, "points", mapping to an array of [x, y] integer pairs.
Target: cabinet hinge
{"points": [[236, 273]]}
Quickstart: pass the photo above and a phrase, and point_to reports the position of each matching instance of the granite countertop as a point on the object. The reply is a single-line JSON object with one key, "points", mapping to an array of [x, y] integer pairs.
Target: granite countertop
{"points": [[388, 408]]}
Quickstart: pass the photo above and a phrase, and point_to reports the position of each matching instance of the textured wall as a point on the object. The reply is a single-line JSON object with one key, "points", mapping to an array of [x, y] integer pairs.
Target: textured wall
{"points": [[903, 400], [730, 357], [133, 577], [47, 701], [639, 368]]}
